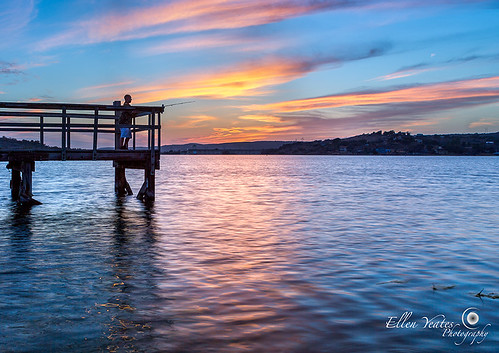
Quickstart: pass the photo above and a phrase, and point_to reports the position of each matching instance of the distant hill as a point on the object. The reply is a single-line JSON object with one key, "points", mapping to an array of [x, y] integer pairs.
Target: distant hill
{"points": [[223, 148], [397, 143], [7, 143]]}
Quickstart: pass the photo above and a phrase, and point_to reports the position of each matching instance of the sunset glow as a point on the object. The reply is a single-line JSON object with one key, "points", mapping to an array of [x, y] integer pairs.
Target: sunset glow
{"points": [[263, 70]]}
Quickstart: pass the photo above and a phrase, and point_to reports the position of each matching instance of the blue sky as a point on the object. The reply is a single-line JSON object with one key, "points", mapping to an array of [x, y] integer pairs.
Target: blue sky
{"points": [[263, 70]]}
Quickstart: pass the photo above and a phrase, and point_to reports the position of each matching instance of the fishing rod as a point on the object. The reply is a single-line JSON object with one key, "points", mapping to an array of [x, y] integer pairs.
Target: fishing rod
{"points": [[169, 105], [163, 105]]}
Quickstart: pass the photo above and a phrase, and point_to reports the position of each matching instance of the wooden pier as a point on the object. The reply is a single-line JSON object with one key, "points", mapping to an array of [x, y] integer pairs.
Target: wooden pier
{"points": [[68, 119]]}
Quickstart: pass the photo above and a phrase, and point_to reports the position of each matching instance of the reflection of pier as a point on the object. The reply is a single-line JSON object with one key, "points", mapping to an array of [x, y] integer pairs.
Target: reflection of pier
{"points": [[67, 119]]}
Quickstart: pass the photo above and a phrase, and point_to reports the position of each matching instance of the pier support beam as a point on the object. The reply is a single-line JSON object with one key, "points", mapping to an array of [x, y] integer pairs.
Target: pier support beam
{"points": [[21, 184], [148, 190], [121, 185]]}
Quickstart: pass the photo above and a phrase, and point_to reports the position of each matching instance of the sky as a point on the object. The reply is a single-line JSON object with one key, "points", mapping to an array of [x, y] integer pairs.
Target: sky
{"points": [[262, 70]]}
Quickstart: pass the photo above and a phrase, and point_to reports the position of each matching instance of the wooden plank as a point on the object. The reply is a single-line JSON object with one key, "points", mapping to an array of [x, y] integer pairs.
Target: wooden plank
{"points": [[32, 129], [142, 191], [54, 115], [141, 127], [72, 106], [120, 155]]}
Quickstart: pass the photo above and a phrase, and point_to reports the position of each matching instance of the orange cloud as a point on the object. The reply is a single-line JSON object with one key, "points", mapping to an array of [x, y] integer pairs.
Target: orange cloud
{"points": [[262, 118], [247, 133], [248, 79], [475, 88], [194, 121], [483, 122]]}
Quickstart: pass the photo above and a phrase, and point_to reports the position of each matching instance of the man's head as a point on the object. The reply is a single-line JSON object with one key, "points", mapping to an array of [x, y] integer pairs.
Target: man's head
{"points": [[128, 98]]}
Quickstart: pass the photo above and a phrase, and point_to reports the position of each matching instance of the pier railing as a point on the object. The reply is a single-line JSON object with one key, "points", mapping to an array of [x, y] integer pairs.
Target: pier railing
{"points": [[67, 119]]}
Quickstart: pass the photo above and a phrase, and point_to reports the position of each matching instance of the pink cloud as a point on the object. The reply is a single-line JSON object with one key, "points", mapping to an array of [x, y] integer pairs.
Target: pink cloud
{"points": [[465, 89], [185, 16]]}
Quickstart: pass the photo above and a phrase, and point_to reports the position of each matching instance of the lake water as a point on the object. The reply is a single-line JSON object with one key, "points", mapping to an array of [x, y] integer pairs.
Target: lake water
{"points": [[255, 254]]}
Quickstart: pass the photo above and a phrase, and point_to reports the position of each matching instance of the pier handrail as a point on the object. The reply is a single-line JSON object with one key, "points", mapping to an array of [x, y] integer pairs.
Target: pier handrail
{"points": [[93, 112]]}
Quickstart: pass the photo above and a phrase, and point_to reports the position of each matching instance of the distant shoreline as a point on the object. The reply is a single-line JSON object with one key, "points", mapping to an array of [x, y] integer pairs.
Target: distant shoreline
{"points": [[376, 143]]}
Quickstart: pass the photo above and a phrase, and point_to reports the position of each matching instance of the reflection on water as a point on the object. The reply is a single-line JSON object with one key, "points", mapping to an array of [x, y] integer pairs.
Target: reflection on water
{"points": [[250, 253]]}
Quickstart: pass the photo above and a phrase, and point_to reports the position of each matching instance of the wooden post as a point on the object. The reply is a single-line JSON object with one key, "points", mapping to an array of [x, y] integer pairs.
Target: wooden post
{"points": [[121, 184], [63, 138], [119, 177], [118, 170], [134, 133], [27, 181], [42, 140], [151, 185], [159, 132], [153, 145], [149, 131], [21, 184], [94, 146], [68, 130], [15, 182], [147, 191], [117, 132]]}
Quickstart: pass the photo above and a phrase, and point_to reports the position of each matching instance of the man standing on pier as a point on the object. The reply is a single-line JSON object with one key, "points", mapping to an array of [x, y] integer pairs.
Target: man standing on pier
{"points": [[126, 119]]}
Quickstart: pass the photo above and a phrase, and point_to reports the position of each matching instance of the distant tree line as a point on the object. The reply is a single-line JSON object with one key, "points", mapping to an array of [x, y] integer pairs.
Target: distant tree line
{"points": [[397, 143], [7, 143]]}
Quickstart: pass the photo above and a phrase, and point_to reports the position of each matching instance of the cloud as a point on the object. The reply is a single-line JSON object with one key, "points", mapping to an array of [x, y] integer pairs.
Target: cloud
{"points": [[193, 121], [250, 78], [426, 67], [185, 16], [8, 68], [404, 73], [247, 133], [246, 79], [466, 91], [483, 123], [103, 88], [194, 43], [262, 118], [232, 42], [15, 15], [11, 69]]}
